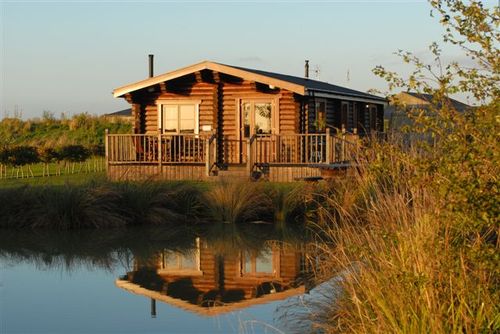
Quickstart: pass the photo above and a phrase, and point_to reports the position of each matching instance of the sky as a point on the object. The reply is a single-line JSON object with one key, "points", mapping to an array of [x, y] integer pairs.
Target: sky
{"points": [[67, 57]]}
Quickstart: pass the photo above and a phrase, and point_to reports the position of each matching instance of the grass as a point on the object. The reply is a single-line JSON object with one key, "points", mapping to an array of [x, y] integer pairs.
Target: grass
{"points": [[90, 166], [404, 263], [56, 180], [90, 201]]}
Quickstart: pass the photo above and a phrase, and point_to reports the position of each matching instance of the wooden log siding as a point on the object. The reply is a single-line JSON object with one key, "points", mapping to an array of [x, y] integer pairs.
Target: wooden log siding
{"points": [[330, 113], [230, 93], [289, 110]]}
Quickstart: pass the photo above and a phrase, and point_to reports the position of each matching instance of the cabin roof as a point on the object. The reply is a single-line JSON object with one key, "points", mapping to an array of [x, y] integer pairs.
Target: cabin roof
{"points": [[125, 113], [301, 86], [459, 106], [214, 310], [314, 85]]}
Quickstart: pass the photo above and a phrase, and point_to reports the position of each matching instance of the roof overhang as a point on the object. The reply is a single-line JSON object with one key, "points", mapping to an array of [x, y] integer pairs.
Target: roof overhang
{"points": [[208, 311], [208, 65]]}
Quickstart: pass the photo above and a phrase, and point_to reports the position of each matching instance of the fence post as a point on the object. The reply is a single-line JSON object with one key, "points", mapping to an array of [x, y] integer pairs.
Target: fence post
{"points": [[106, 148], [328, 146]]}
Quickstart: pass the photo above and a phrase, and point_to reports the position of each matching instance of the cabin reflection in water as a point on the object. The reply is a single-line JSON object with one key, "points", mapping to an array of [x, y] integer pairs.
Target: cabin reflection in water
{"points": [[205, 282]]}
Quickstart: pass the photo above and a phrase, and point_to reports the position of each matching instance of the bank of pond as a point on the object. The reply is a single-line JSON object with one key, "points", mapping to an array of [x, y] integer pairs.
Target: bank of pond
{"points": [[102, 204]]}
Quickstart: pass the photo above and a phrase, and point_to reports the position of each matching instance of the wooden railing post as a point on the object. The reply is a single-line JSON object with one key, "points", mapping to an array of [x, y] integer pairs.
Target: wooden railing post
{"points": [[328, 147], [208, 155], [249, 155], [159, 153], [342, 147], [106, 148], [214, 151]]}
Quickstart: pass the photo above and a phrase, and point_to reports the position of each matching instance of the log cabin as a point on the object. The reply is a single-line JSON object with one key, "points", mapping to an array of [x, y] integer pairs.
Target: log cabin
{"points": [[204, 281], [210, 120]]}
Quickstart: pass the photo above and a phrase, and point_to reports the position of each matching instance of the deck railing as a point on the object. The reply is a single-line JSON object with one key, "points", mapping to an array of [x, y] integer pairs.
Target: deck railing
{"points": [[301, 149], [281, 149], [141, 148]]}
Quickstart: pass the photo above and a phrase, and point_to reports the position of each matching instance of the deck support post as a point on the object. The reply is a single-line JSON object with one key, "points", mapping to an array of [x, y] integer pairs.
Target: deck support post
{"points": [[327, 147], [159, 154]]}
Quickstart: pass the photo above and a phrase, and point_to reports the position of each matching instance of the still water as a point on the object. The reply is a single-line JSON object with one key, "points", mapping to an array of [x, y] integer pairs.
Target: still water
{"points": [[175, 279]]}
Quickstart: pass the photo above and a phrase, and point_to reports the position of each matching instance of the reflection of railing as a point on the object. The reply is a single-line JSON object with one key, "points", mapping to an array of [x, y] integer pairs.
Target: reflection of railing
{"points": [[132, 148]]}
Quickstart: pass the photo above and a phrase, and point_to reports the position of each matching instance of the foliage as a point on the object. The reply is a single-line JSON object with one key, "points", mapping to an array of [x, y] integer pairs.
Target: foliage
{"points": [[82, 129], [47, 154], [19, 156], [418, 246], [73, 153]]}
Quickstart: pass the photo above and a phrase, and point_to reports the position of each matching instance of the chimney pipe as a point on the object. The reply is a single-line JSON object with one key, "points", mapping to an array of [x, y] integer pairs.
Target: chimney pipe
{"points": [[151, 65], [307, 69]]}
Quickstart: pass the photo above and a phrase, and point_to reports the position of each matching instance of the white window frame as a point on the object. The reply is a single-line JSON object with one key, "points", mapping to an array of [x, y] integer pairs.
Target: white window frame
{"points": [[179, 270], [275, 120], [159, 108]]}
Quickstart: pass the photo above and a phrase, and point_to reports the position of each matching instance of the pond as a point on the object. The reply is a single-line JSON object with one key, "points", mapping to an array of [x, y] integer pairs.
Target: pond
{"points": [[171, 279]]}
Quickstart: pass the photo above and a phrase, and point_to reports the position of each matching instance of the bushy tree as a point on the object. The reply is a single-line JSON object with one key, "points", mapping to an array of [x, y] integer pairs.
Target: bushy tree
{"points": [[20, 156], [47, 155], [73, 154]]}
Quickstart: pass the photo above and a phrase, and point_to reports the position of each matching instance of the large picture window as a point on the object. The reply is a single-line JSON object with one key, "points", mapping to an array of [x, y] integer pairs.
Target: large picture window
{"points": [[178, 118]]}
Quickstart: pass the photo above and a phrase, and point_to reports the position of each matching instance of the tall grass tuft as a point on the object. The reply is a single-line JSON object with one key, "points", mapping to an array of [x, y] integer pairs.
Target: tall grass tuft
{"points": [[237, 201]]}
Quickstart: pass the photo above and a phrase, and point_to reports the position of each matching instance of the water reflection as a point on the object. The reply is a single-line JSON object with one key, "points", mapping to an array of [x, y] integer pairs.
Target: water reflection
{"points": [[203, 280], [207, 270]]}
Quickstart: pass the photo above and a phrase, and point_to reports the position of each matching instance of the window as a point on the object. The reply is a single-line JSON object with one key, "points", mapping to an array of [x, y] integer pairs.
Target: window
{"points": [[178, 118], [256, 118], [176, 262], [259, 264], [370, 118], [349, 111], [320, 122]]}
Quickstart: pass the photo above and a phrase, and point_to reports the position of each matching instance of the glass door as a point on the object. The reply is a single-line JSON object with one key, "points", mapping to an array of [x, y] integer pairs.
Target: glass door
{"points": [[256, 118]]}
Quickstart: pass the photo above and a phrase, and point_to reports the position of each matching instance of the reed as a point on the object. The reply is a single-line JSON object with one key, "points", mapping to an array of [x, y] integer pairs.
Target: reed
{"points": [[400, 257], [237, 201]]}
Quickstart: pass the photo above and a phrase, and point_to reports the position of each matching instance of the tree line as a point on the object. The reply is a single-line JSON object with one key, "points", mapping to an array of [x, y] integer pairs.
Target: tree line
{"points": [[67, 156]]}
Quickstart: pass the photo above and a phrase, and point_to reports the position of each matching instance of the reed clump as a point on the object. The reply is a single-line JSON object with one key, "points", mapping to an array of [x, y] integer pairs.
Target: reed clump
{"points": [[99, 205], [237, 201]]}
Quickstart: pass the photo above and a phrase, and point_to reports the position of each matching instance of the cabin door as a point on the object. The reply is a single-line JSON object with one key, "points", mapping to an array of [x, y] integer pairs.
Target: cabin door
{"points": [[255, 119]]}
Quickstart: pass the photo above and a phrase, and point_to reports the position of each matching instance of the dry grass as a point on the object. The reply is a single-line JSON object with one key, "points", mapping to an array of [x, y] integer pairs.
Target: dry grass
{"points": [[403, 267], [237, 201]]}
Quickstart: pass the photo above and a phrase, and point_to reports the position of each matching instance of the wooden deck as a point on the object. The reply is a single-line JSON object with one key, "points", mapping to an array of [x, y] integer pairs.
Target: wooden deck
{"points": [[281, 158]]}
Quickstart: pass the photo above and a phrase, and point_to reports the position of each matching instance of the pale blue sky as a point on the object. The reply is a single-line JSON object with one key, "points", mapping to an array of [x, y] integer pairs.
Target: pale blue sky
{"points": [[69, 56]]}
